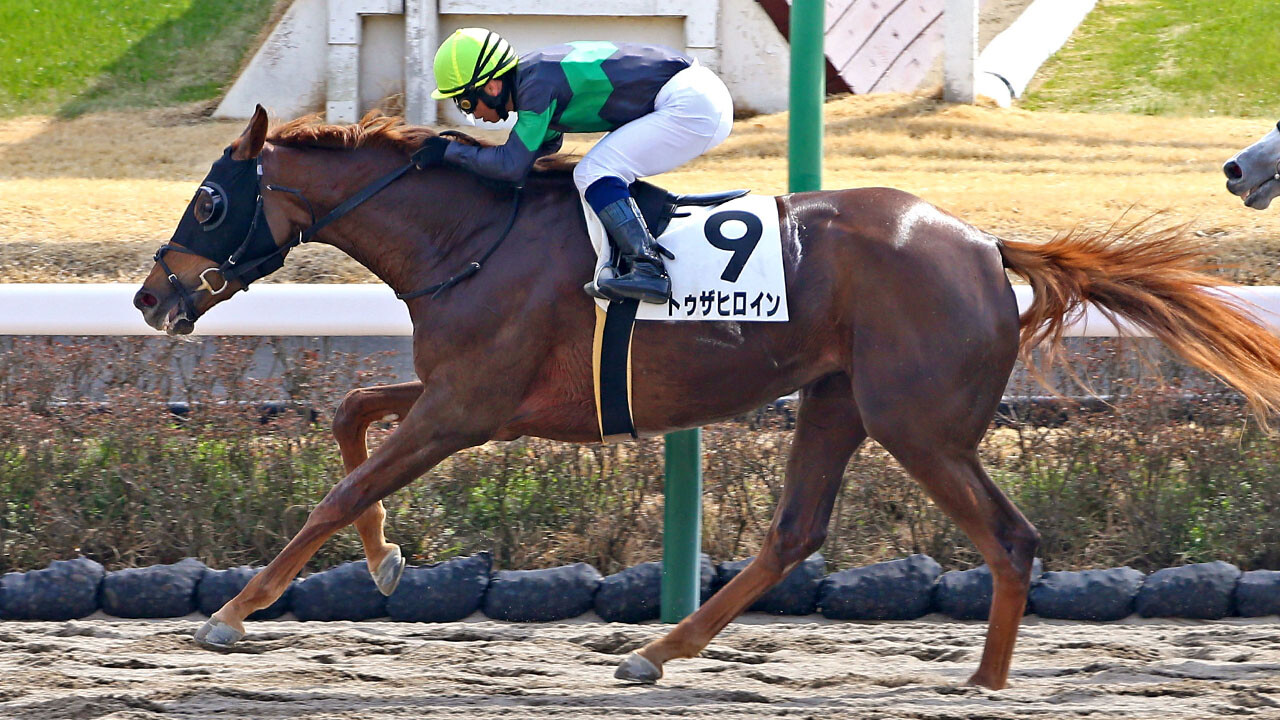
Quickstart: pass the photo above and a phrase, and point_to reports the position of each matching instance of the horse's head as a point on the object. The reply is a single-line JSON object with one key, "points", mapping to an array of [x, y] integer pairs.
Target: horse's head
{"points": [[1254, 173], [227, 238]]}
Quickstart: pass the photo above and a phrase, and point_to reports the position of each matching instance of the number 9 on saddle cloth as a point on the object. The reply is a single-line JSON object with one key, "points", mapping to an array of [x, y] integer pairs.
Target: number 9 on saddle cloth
{"points": [[724, 255]]}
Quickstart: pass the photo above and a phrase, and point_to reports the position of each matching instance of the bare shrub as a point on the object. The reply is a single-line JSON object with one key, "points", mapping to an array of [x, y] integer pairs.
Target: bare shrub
{"points": [[93, 461]]}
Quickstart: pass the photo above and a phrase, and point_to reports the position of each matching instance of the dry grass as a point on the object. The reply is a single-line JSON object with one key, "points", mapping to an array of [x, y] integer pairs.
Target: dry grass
{"points": [[89, 199]]}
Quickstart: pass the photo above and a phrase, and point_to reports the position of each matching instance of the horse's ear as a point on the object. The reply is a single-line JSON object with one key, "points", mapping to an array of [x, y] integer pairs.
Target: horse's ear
{"points": [[249, 144]]}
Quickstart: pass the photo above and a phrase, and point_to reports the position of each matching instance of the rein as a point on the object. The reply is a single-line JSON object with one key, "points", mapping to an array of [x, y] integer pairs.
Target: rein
{"points": [[234, 269], [474, 266]]}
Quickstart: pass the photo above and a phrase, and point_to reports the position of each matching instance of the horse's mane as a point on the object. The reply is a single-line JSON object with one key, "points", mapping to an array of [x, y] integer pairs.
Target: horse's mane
{"points": [[392, 132]]}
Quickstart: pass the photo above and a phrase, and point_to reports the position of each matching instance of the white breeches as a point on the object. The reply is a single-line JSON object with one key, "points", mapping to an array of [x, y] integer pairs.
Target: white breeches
{"points": [[692, 113]]}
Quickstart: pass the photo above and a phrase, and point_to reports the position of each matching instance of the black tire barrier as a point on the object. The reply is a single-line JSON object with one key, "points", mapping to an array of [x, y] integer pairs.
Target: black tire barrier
{"points": [[893, 590], [443, 592], [1258, 593], [219, 586], [1099, 595], [346, 592], [66, 590], [70, 589], [1203, 591], [159, 591], [797, 594], [635, 594], [966, 594], [556, 593]]}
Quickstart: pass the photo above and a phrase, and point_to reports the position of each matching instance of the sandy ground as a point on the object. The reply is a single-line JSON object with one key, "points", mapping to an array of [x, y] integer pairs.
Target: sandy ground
{"points": [[133, 670]]}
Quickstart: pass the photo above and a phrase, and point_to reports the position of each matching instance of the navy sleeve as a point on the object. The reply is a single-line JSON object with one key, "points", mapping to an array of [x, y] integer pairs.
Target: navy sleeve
{"points": [[508, 162], [531, 137]]}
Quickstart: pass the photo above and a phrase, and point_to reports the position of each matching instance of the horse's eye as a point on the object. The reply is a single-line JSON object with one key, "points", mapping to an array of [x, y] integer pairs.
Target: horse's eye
{"points": [[209, 206]]}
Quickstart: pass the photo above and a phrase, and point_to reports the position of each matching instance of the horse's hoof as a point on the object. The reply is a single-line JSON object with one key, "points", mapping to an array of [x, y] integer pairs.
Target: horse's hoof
{"points": [[389, 572], [217, 634], [638, 670]]}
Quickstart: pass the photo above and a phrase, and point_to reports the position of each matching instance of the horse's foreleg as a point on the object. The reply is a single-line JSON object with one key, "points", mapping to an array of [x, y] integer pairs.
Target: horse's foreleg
{"points": [[430, 432], [357, 411], [828, 431]]}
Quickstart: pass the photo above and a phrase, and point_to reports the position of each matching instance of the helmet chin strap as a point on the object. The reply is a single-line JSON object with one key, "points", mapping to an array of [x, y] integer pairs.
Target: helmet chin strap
{"points": [[497, 103]]}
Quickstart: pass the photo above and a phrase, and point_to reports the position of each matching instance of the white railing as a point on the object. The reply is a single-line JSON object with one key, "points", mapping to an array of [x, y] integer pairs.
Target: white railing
{"points": [[339, 311]]}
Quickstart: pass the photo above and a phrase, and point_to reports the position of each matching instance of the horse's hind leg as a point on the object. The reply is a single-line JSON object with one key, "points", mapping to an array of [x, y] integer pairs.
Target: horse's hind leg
{"points": [[828, 431], [357, 411], [954, 478], [933, 428]]}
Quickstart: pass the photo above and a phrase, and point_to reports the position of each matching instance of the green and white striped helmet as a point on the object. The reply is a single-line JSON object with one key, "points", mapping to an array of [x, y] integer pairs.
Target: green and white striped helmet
{"points": [[468, 59]]}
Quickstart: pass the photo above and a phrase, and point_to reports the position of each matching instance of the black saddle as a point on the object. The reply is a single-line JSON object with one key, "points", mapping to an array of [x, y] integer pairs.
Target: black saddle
{"points": [[658, 206]]}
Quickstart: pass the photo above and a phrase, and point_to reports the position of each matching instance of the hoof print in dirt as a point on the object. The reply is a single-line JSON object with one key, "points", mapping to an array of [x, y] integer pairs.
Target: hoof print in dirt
{"points": [[219, 586], [894, 590], [1258, 593], [159, 591], [443, 592], [797, 594], [635, 594], [66, 590], [346, 592], [1202, 591], [966, 594], [1099, 595], [541, 595]]}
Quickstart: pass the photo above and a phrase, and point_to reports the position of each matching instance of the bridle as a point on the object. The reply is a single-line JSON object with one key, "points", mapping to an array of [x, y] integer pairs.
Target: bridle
{"points": [[232, 269], [238, 267]]}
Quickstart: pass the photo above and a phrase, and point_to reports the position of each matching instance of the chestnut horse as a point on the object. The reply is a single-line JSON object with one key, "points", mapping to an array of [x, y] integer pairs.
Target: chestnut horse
{"points": [[903, 328]]}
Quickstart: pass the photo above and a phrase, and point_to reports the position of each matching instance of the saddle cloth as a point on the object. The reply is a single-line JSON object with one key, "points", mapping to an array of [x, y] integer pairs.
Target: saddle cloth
{"points": [[727, 266]]}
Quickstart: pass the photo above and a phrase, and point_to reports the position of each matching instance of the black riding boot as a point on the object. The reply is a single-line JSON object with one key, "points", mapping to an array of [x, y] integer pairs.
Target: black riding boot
{"points": [[647, 281]]}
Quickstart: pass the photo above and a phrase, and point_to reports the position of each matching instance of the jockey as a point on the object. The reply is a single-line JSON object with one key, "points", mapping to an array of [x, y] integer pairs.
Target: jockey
{"points": [[660, 107]]}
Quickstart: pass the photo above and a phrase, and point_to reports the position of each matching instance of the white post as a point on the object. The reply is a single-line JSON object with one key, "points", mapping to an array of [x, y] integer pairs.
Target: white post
{"points": [[342, 89], [960, 44], [421, 36]]}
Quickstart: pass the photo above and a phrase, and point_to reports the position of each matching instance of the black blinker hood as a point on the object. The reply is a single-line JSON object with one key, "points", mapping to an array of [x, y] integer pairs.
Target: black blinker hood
{"points": [[242, 235]]}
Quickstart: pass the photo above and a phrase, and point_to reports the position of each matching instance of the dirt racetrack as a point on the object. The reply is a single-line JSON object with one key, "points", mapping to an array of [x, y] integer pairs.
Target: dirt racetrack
{"points": [[151, 670]]}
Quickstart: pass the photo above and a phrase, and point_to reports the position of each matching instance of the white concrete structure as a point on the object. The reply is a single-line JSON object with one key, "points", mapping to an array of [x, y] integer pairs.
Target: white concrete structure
{"points": [[351, 310], [960, 50], [288, 72], [1012, 58], [346, 55]]}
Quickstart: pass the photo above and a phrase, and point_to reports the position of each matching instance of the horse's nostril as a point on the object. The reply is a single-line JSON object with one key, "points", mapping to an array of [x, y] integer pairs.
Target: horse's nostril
{"points": [[144, 300], [1233, 171]]}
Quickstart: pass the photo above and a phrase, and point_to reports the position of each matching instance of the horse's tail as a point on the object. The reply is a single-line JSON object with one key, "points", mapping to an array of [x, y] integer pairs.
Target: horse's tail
{"points": [[1155, 279]]}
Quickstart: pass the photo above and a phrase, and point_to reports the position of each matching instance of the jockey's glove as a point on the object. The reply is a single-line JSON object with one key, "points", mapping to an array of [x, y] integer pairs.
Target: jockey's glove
{"points": [[431, 153]]}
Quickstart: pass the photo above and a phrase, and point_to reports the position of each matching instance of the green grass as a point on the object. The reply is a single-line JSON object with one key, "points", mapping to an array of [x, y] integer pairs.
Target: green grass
{"points": [[73, 56], [1168, 57]]}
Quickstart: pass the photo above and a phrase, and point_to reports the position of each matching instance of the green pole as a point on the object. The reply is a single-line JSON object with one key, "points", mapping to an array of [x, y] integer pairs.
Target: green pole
{"points": [[682, 525], [682, 518], [808, 88]]}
